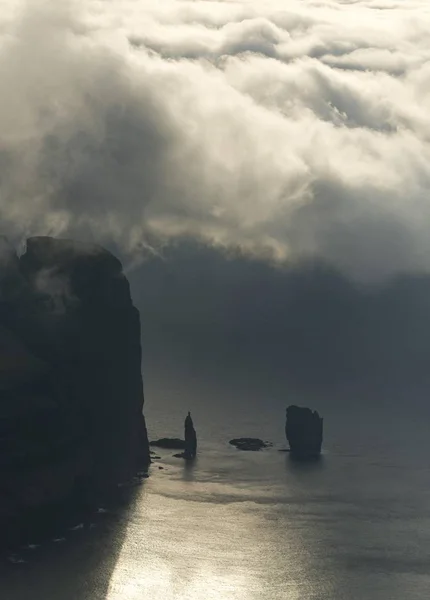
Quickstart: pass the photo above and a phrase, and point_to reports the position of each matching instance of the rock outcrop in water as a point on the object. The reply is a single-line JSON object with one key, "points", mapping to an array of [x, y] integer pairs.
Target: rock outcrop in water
{"points": [[190, 438], [249, 444], [188, 445], [71, 393], [304, 431], [169, 443]]}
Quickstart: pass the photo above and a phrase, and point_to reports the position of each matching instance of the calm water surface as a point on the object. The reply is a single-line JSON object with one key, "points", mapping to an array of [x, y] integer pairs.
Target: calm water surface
{"points": [[244, 526]]}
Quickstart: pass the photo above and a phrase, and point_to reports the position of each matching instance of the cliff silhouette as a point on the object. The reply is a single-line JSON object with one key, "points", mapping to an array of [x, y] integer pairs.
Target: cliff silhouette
{"points": [[304, 431], [71, 392], [190, 437]]}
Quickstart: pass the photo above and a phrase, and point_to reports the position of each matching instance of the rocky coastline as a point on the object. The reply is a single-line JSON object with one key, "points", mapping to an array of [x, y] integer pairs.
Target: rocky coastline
{"points": [[71, 392]]}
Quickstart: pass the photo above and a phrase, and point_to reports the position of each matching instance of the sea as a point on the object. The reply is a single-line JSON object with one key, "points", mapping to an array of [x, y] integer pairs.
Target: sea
{"points": [[234, 525]]}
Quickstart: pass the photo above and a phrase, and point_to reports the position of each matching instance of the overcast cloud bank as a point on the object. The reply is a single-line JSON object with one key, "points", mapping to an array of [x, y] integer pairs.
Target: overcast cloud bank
{"points": [[286, 129]]}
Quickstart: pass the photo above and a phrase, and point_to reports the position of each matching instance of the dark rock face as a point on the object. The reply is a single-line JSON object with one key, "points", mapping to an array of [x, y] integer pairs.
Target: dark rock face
{"points": [[249, 444], [190, 437], [304, 431], [71, 393], [169, 443]]}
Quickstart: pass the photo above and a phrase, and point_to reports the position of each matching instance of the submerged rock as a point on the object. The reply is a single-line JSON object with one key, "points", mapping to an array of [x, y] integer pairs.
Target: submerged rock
{"points": [[71, 393], [249, 444], [304, 432], [169, 443]]}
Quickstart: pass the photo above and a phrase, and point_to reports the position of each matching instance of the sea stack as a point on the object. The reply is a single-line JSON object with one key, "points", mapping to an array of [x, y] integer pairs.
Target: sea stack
{"points": [[190, 438], [304, 432], [70, 375]]}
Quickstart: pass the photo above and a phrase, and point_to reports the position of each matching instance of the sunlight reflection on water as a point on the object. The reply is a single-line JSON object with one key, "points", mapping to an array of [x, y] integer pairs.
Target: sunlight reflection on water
{"points": [[247, 526], [193, 549], [243, 527]]}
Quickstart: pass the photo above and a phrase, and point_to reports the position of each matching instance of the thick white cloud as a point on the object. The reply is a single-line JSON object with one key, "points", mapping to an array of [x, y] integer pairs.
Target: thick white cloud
{"points": [[285, 128]]}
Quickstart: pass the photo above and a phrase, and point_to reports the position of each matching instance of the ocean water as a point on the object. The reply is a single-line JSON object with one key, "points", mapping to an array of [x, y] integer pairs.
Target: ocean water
{"points": [[242, 526]]}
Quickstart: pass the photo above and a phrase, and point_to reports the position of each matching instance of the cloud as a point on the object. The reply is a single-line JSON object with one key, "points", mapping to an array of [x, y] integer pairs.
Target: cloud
{"points": [[286, 130]]}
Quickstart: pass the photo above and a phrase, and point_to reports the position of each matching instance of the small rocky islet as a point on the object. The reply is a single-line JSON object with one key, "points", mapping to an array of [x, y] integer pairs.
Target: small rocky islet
{"points": [[249, 444], [169, 443], [304, 432]]}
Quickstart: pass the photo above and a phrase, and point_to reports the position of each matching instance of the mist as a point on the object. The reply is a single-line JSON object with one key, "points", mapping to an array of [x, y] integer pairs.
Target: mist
{"points": [[282, 330]]}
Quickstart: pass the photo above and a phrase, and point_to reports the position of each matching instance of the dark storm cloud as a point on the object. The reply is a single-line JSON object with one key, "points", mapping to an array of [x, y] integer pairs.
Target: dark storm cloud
{"points": [[306, 325]]}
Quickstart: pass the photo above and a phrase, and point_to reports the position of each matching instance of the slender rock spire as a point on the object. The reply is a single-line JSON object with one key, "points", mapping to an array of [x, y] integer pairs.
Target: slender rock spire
{"points": [[190, 438]]}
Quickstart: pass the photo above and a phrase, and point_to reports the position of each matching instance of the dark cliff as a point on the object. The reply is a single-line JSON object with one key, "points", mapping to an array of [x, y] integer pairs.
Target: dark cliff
{"points": [[71, 393]]}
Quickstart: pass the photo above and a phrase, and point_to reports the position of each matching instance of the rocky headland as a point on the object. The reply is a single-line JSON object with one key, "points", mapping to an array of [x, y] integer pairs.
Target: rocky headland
{"points": [[71, 393]]}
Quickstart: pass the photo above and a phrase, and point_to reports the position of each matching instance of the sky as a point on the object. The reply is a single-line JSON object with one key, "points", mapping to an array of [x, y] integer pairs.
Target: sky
{"points": [[259, 166]]}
